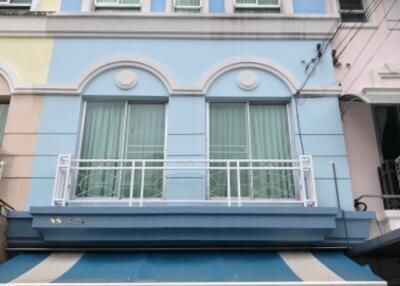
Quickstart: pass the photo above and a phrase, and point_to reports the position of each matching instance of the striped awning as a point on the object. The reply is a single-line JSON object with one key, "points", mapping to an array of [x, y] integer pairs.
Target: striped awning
{"points": [[186, 268]]}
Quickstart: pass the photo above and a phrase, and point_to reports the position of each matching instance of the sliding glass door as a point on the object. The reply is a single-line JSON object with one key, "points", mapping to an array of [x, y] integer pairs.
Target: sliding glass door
{"points": [[246, 132], [121, 130]]}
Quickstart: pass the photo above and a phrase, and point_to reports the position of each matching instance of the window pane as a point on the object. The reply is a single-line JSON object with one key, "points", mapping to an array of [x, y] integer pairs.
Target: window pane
{"points": [[246, 2], [107, 1], [270, 140], [353, 17], [101, 140], [3, 117], [131, 2], [21, 1], [258, 10], [145, 140], [195, 3], [268, 2], [351, 4], [228, 140]]}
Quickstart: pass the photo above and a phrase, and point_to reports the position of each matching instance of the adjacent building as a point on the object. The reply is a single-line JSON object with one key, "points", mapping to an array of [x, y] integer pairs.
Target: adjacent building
{"points": [[368, 71], [172, 134]]}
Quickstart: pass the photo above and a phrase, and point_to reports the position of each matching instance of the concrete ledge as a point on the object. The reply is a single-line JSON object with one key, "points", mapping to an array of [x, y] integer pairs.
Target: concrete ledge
{"points": [[183, 226]]}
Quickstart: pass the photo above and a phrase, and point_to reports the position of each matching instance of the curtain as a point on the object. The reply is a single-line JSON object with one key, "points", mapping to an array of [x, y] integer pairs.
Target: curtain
{"points": [[268, 132], [270, 140], [228, 140], [145, 141], [3, 117], [101, 140]]}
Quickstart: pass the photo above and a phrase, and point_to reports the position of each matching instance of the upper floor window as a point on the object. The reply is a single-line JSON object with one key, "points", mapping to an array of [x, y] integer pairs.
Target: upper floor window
{"points": [[114, 134], [3, 117], [352, 10], [250, 133], [188, 6], [257, 6], [118, 5], [15, 4]]}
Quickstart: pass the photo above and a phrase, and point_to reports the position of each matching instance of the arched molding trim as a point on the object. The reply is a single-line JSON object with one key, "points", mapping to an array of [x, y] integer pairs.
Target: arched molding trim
{"points": [[10, 75], [140, 63], [249, 62]]}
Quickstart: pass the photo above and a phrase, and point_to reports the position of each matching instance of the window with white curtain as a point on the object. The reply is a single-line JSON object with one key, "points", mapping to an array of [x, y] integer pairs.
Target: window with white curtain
{"points": [[121, 130], [118, 5], [188, 6], [246, 131], [257, 6], [352, 10], [15, 4], [3, 117]]}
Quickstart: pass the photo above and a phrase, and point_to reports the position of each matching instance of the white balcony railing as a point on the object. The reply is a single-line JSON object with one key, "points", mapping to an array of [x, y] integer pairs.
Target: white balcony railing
{"points": [[187, 182]]}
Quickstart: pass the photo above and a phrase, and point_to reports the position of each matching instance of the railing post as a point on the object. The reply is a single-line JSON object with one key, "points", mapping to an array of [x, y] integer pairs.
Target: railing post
{"points": [[142, 184], [132, 184], [228, 184], [56, 185], [303, 191], [238, 183], [312, 180], [67, 184]]}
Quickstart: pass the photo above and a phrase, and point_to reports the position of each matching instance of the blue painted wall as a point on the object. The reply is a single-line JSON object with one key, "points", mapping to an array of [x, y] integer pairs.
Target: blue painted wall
{"points": [[309, 6], [187, 60], [71, 5], [187, 63], [216, 6], [157, 6]]}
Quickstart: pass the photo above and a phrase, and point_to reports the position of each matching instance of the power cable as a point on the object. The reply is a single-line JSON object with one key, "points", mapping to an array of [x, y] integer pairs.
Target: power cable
{"points": [[368, 41], [373, 55], [370, 9]]}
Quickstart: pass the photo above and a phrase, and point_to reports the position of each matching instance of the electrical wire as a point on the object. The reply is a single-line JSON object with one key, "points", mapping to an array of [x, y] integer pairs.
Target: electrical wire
{"points": [[368, 41], [372, 56], [370, 9]]}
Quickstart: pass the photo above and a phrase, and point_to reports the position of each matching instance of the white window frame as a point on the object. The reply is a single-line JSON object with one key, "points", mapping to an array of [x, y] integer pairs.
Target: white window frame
{"points": [[255, 6], [360, 11], [122, 145], [118, 5], [170, 7], [286, 6], [247, 104], [199, 7], [8, 3]]}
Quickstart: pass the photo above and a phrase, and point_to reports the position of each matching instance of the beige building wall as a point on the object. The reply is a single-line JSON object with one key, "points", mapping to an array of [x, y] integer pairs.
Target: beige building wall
{"points": [[18, 148]]}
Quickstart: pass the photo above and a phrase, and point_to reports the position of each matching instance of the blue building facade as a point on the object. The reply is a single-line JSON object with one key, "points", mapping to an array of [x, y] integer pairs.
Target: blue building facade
{"points": [[187, 124]]}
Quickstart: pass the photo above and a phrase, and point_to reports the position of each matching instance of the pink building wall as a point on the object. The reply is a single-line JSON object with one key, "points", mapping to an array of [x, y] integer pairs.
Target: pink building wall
{"points": [[374, 45]]}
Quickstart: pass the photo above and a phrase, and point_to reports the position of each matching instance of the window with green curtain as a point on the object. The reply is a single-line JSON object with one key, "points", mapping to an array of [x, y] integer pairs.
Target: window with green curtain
{"points": [[250, 131], [15, 6], [106, 126], [3, 118], [102, 135], [188, 6], [118, 5], [228, 140], [145, 135], [257, 6]]}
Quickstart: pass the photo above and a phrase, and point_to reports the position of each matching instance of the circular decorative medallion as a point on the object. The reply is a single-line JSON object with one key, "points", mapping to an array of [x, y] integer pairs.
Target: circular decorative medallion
{"points": [[247, 80], [126, 79]]}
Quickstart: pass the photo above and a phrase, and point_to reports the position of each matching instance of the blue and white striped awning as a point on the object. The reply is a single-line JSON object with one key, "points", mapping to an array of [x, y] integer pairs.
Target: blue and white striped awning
{"points": [[186, 268]]}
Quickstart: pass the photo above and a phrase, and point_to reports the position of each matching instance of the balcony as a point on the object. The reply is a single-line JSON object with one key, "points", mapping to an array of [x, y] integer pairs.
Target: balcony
{"points": [[141, 183]]}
